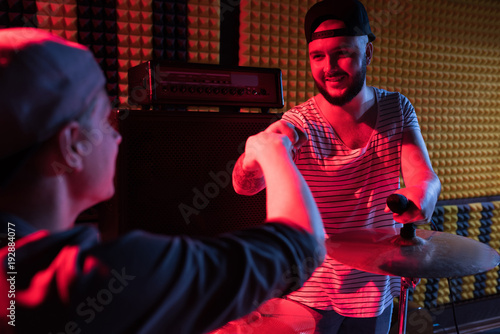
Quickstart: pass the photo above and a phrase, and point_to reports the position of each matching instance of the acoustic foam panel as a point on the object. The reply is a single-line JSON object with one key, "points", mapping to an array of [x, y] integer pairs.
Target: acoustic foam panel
{"points": [[203, 31], [60, 19], [135, 42], [271, 35], [478, 221], [16, 13], [97, 29]]}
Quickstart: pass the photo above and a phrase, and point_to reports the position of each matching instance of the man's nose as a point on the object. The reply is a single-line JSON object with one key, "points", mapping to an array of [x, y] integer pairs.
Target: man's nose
{"points": [[331, 63]]}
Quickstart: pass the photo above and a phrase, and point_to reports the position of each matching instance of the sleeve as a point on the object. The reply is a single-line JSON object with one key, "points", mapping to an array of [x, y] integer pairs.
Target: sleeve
{"points": [[410, 120], [295, 117], [186, 285]]}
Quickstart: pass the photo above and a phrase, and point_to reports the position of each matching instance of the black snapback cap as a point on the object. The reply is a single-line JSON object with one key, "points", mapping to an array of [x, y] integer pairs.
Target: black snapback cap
{"points": [[351, 12]]}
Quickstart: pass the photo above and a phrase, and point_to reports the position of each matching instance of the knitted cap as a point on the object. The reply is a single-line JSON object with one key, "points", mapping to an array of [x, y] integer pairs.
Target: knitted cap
{"points": [[45, 82]]}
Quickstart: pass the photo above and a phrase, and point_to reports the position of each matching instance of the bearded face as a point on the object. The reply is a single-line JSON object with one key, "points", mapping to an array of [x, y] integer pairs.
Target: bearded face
{"points": [[338, 66], [339, 88]]}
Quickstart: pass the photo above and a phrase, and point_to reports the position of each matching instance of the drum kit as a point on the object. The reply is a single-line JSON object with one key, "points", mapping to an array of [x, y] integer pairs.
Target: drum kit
{"points": [[408, 252]]}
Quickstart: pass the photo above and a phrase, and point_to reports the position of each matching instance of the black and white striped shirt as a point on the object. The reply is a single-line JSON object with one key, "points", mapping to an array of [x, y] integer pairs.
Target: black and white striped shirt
{"points": [[350, 187]]}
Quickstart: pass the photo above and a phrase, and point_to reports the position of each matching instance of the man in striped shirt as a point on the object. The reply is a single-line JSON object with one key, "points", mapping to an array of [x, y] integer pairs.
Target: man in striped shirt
{"points": [[351, 142]]}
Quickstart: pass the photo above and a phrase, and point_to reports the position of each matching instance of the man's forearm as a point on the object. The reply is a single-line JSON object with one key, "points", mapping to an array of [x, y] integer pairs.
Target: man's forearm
{"points": [[247, 182], [431, 184], [289, 197]]}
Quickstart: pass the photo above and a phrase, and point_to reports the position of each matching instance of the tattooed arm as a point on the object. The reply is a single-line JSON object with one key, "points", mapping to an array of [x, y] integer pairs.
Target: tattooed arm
{"points": [[247, 182]]}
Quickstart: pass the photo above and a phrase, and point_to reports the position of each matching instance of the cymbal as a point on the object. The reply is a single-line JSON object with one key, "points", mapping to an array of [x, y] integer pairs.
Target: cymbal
{"points": [[429, 254], [272, 317]]}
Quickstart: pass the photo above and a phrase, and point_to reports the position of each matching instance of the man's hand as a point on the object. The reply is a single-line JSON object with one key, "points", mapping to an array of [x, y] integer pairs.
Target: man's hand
{"points": [[265, 147], [296, 135], [418, 211]]}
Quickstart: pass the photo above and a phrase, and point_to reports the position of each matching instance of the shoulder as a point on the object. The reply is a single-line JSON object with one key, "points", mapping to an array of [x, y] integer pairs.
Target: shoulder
{"points": [[388, 98], [83, 236], [303, 108], [389, 103]]}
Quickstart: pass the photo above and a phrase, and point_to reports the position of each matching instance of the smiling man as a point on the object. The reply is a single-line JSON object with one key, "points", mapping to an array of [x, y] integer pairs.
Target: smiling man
{"points": [[351, 141]]}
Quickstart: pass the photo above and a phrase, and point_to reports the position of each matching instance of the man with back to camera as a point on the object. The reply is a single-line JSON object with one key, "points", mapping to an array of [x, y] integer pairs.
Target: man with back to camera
{"points": [[57, 158], [359, 138]]}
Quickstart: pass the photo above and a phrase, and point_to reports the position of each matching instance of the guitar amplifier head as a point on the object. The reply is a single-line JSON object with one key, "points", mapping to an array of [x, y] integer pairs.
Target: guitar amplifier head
{"points": [[157, 83]]}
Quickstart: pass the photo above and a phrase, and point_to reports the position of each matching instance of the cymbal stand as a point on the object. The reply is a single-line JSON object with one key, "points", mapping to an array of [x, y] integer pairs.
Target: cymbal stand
{"points": [[406, 283], [407, 232]]}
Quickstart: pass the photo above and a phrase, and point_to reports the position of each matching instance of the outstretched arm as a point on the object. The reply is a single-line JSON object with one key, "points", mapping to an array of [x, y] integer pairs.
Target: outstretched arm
{"points": [[288, 195]]}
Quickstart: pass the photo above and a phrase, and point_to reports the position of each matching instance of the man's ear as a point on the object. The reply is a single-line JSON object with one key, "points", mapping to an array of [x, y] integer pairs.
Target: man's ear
{"points": [[70, 142], [369, 53]]}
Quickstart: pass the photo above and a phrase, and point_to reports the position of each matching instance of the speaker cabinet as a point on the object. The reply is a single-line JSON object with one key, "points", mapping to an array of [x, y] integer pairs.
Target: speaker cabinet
{"points": [[174, 172]]}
